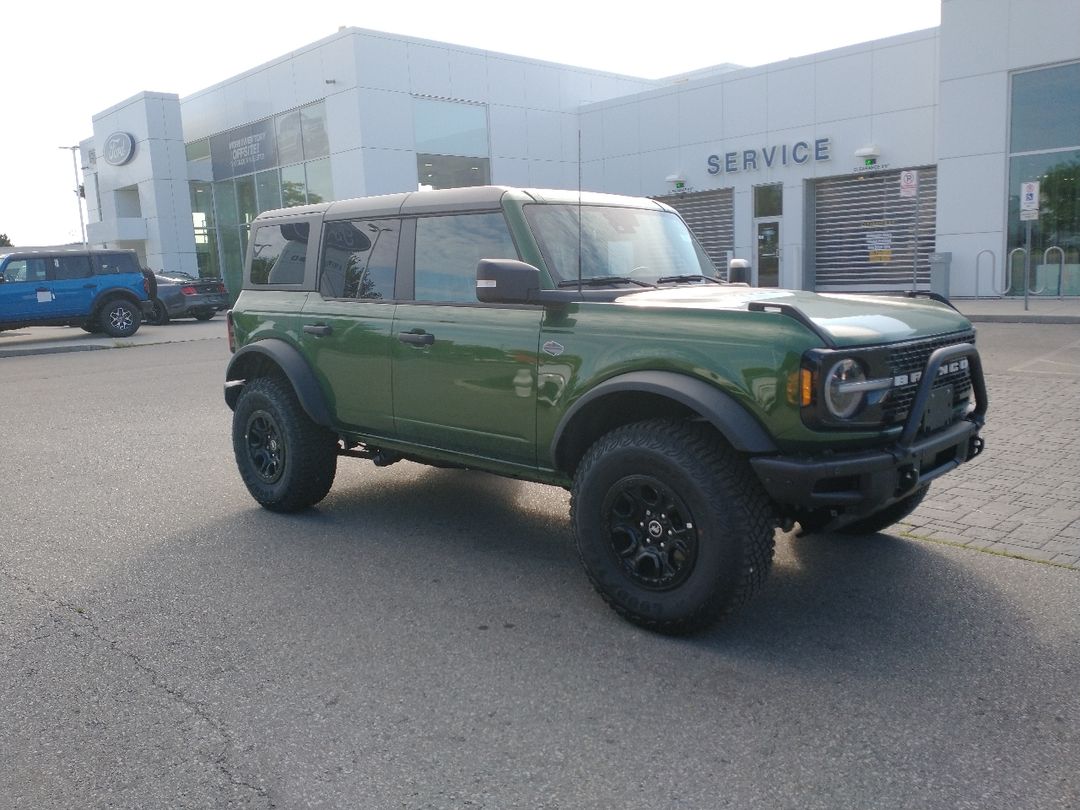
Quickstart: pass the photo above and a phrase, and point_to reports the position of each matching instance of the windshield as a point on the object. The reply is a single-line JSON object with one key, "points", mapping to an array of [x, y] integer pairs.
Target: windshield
{"points": [[625, 243]]}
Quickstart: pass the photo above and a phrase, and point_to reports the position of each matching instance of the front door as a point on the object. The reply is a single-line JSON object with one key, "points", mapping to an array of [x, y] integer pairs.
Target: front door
{"points": [[767, 256], [464, 372]]}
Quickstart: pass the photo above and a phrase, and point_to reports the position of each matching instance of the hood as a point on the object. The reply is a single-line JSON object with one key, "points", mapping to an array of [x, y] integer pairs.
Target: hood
{"points": [[849, 319]]}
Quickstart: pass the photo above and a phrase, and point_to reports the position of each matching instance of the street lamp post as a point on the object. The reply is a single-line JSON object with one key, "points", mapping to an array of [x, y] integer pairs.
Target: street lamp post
{"points": [[78, 196]]}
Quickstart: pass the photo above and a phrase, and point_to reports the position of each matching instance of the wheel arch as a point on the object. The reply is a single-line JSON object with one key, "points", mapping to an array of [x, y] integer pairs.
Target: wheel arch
{"points": [[111, 294], [276, 357], [641, 395]]}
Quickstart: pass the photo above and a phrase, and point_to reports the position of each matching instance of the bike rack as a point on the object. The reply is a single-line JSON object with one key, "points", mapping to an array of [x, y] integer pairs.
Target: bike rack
{"points": [[1061, 265], [1006, 283]]}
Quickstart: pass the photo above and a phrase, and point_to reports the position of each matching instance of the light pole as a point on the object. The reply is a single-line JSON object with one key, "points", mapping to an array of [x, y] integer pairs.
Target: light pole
{"points": [[78, 196]]}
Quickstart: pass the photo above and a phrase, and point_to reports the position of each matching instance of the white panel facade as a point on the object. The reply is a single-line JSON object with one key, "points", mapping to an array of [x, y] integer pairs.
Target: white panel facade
{"points": [[930, 98]]}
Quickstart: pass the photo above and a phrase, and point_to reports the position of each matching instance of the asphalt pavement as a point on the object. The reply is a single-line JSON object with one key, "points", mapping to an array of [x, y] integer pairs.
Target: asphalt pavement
{"points": [[426, 639]]}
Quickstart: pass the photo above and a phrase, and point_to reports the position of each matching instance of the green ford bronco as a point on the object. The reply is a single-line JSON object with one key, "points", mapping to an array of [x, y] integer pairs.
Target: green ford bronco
{"points": [[585, 341]]}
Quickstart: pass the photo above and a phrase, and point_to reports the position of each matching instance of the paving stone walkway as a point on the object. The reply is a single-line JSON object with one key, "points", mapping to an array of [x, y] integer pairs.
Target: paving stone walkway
{"points": [[1021, 497]]}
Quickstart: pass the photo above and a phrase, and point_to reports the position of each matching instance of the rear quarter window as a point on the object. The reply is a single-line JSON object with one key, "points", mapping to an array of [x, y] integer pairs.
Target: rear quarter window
{"points": [[279, 254]]}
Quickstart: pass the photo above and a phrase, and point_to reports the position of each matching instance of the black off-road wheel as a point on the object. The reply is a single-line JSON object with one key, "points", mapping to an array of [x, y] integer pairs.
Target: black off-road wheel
{"points": [[160, 316], [119, 318], [672, 526], [287, 462], [879, 521]]}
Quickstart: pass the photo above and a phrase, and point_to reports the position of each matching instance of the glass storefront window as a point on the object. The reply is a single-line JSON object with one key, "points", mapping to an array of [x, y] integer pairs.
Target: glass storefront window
{"points": [[268, 190], [293, 186], [232, 255], [202, 202], [225, 203], [320, 183], [450, 127], [1046, 109], [206, 253], [1055, 235], [246, 207], [197, 150], [769, 200], [289, 139], [313, 126]]}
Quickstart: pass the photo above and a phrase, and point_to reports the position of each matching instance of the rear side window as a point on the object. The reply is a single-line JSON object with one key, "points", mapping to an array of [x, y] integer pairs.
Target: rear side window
{"points": [[109, 264], [68, 267], [279, 253], [448, 249], [359, 259]]}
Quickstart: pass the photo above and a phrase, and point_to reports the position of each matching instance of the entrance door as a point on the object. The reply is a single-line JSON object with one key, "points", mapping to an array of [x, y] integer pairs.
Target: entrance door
{"points": [[768, 253]]}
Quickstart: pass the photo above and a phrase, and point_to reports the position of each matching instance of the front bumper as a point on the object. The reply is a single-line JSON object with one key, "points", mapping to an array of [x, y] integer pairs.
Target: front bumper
{"points": [[866, 481]]}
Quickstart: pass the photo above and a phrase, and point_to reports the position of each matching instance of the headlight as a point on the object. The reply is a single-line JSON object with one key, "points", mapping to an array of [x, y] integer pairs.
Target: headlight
{"points": [[845, 386]]}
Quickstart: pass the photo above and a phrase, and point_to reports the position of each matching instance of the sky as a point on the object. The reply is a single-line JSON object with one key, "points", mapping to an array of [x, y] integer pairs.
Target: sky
{"points": [[63, 62]]}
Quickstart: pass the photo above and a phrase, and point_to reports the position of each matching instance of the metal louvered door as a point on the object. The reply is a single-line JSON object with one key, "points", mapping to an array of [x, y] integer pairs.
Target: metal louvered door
{"points": [[711, 217], [867, 237]]}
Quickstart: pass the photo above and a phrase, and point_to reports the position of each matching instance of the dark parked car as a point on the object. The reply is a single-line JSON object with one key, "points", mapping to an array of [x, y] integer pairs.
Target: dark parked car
{"points": [[180, 295]]}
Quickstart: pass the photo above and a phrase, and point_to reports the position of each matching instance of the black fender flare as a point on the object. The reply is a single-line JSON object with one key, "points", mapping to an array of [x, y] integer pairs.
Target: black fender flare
{"points": [[112, 293], [716, 406], [292, 364]]}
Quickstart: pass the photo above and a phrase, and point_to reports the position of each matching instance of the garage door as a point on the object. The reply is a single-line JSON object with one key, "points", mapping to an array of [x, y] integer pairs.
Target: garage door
{"points": [[710, 215], [869, 237]]}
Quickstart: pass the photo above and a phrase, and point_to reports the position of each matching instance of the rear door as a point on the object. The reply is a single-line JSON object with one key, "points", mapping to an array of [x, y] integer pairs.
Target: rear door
{"points": [[464, 373], [73, 284], [347, 324]]}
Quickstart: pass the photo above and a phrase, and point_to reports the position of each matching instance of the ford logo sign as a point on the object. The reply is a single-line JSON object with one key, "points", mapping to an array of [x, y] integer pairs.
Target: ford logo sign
{"points": [[119, 148]]}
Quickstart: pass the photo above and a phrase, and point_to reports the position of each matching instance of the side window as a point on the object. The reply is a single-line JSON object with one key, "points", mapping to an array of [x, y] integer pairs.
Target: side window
{"points": [[109, 264], [69, 267], [359, 259], [278, 253], [15, 270], [448, 249]]}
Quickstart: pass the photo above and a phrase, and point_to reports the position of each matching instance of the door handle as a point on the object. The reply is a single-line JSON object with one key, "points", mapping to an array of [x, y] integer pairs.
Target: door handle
{"points": [[416, 338], [318, 329]]}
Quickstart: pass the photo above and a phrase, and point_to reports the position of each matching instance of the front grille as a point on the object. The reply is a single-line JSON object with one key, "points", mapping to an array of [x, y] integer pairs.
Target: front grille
{"points": [[906, 358]]}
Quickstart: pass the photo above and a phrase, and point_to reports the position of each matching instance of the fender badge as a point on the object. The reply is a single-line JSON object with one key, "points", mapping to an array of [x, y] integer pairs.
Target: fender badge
{"points": [[553, 348]]}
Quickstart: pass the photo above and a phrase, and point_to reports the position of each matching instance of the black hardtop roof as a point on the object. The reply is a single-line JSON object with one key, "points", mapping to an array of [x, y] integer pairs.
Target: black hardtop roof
{"points": [[454, 200], [55, 249]]}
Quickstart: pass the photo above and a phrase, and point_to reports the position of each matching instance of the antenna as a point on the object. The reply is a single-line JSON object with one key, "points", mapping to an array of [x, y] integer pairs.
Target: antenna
{"points": [[579, 210]]}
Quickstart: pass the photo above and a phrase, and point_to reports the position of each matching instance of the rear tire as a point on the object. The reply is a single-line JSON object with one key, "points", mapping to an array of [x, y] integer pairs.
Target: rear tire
{"points": [[160, 316], [672, 526], [119, 318], [287, 462], [204, 314]]}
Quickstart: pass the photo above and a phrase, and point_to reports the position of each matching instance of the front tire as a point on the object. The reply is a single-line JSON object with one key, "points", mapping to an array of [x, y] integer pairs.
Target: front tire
{"points": [[119, 318], [287, 461], [672, 526]]}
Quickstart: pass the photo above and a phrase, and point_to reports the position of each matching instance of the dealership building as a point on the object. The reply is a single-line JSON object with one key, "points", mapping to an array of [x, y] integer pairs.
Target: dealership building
{"points": [[895, 164]]}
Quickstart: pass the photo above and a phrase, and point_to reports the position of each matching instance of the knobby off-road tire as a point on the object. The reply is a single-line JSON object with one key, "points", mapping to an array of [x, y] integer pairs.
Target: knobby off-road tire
{"points": [[879, 521], [119, 318], [287, 462], [672, 526]]}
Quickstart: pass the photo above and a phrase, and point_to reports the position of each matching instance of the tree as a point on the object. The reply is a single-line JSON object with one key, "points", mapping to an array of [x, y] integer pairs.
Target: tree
{"points": [[4, 241]]}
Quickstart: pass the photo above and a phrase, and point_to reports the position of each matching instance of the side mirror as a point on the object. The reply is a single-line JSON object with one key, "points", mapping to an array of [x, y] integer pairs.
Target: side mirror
{"points": [[506, 281], [739, 271]]}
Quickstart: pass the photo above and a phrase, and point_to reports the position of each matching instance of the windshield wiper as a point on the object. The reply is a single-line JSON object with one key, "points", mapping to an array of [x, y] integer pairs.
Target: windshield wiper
{"points": [[603, 281], [687, 277]]}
